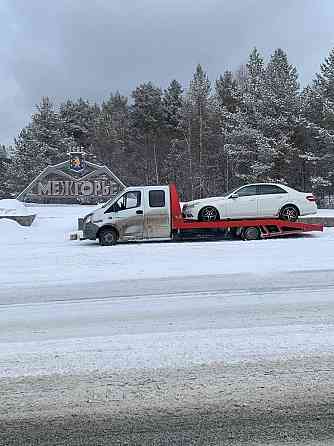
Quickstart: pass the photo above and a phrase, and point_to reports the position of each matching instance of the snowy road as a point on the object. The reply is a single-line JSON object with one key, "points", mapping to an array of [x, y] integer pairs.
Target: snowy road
{"points": [[140, 368], [179, 329]]}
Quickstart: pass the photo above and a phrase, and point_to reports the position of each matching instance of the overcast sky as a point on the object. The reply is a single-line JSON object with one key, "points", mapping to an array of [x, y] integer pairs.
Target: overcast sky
{"points": [[88, 48]]}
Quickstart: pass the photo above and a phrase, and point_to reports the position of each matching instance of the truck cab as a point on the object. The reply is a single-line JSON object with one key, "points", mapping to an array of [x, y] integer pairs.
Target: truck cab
{"points": [[135, 214]]}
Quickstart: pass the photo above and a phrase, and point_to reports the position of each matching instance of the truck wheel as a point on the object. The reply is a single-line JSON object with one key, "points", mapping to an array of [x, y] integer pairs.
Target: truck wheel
{"points": [[107, 237], [289, 213], [209, 213], [251, 233]]}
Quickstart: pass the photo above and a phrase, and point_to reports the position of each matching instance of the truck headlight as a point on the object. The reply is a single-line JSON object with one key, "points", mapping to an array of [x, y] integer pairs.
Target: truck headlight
{"points": [[88, 219]]}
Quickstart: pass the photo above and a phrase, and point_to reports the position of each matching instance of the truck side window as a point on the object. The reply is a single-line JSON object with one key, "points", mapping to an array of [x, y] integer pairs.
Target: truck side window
{"points": [[156, 198], [129, 200]]}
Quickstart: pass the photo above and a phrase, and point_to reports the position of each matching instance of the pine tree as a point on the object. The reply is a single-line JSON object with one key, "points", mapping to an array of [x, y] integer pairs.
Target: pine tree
{"points": [[247, 151], [43, 142], [112, 139], [171, 135], [252, 100], [273, 106], [199, 96], [185, 148], [172, 105], [280, 112], [228, 92], [114, 118], [147, 116], [241, 77], [325, 79], [79, 119], [255, 73], [4, 164], [281, 93], [317, 130]]}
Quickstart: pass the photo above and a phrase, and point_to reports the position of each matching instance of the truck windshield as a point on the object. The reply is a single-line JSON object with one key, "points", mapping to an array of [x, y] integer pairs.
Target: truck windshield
{"points": [[112, 200]]}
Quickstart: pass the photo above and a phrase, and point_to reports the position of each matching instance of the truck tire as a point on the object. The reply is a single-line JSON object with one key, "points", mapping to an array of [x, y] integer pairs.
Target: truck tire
{"points": [[251, 233], [107, 237]]}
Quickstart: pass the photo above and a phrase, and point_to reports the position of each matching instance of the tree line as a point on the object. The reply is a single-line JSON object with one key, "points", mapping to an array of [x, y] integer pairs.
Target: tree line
{"points": [[252, 125]]}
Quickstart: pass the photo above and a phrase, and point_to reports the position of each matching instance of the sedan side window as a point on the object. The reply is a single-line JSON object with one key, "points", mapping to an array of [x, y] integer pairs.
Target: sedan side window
{"points": [[129, 200], [266, 189], [247, 191]]}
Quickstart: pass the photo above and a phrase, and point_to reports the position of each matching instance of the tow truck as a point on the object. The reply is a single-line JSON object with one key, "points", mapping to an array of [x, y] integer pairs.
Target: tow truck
{"points": [[149, 213]]}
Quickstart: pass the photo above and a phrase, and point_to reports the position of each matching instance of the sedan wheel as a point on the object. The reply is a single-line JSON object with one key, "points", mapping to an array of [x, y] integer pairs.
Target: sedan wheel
{"points": [[289, 213], [209, 213]]}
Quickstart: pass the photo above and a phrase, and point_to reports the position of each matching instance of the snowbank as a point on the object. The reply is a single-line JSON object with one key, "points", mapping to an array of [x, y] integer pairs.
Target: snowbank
{"points": [[13, 208], [9, 228], [324, 213]]}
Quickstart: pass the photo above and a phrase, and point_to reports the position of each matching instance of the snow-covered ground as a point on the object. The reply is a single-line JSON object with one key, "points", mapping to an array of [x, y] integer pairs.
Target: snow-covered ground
{"points": [[12, 207], [42, 254], [324, 213]]}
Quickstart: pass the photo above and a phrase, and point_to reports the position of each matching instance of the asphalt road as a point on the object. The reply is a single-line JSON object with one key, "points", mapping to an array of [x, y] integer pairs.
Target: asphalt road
{"points": [[212, 360], [271, 403]]}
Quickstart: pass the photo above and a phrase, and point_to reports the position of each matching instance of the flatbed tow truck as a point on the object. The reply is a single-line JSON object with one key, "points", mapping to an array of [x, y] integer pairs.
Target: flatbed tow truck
{"points": [[149, 213]]}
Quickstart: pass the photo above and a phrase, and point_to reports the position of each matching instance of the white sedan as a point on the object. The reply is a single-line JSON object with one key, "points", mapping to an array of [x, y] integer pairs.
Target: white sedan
{"points": [[260, 200]]}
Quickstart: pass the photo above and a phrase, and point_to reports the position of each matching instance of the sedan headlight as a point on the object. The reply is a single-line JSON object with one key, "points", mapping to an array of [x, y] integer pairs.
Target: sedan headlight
{"points": [[189, 206]]}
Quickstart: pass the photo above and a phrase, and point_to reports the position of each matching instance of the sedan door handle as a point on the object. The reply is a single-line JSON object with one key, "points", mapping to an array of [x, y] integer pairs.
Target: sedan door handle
{"points": [[140, 212]]}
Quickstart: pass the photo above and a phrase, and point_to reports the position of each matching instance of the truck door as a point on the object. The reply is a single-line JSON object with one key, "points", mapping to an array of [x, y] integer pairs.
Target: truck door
{"points": [[127, 215], [157, 213]]}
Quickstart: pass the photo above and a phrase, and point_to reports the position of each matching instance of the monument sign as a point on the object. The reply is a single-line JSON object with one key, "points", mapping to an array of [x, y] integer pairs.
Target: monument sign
{"points": [[73, 181]]}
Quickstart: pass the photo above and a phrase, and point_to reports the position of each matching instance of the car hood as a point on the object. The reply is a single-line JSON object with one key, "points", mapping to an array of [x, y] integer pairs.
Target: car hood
{"points": [[210, 200]]}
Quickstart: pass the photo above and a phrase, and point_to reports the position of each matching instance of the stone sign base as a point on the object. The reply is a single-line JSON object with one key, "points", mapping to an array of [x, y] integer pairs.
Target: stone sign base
{"points": [[26, 220]]}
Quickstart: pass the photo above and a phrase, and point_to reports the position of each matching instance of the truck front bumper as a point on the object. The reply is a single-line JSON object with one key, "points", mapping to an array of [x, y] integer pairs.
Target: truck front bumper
{"points": [[76, 235], [90, 231]]}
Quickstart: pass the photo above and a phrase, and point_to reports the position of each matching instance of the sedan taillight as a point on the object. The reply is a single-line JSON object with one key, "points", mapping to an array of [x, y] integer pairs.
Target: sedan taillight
{"points": [[311, 198]]}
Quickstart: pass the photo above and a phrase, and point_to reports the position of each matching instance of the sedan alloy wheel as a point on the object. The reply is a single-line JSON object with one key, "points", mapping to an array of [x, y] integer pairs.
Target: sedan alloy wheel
{"points": [[209, 213], [289, 213]]}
